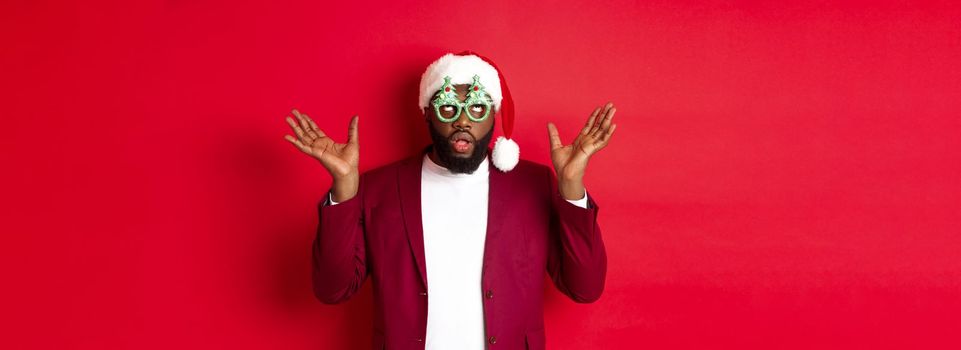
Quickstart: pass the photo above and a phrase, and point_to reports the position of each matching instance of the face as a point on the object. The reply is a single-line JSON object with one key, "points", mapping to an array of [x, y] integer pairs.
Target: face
{"points": [[459, 145]]}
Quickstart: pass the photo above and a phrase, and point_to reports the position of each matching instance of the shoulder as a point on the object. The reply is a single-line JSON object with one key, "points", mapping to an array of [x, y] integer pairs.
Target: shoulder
{"points": [[388, 173], [391, 167], [528, 176], [529, 185], [526, 169]]}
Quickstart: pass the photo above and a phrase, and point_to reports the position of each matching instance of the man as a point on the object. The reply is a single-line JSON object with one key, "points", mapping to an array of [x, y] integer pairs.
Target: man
{"points": [[457, 251]]}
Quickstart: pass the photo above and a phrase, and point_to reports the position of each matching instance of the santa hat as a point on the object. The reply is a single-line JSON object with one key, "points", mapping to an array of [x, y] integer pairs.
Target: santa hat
{"points": [[461, 68]]}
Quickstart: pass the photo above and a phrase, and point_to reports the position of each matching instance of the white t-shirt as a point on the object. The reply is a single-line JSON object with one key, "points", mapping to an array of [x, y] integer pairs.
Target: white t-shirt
{"points": [[454, 214]]}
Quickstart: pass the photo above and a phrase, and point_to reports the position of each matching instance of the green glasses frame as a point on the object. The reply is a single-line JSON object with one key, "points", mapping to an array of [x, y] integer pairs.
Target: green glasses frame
{"points": [[476, 96]]}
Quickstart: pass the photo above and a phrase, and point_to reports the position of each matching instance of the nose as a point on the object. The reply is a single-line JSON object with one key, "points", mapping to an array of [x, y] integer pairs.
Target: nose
{"points": [[462, 121]]}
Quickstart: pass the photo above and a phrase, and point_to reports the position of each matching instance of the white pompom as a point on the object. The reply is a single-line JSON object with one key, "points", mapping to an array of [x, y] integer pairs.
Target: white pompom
{"points": [[506, 154]]}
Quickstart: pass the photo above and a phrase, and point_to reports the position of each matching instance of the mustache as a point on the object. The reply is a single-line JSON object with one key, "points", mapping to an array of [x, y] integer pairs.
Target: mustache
{"points": [[445, 150], [462, 135]]}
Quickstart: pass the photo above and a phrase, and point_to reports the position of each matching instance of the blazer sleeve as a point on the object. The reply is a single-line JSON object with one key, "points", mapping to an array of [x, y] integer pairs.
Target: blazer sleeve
{"points": [[339, 250], [577, 259]]}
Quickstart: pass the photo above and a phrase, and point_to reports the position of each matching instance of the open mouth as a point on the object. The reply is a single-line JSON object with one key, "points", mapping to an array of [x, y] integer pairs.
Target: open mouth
{"points": [[461, 141]]}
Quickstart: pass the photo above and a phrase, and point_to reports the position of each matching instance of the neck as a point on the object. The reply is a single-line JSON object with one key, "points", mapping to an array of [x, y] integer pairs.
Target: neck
{"points": [[435, 158]]}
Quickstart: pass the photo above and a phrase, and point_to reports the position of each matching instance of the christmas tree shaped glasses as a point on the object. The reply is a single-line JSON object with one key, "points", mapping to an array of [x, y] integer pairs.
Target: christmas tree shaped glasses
{"points": [[448, 107]]}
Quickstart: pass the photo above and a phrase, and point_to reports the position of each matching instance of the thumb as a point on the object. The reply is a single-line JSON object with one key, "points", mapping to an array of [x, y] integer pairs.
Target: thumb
{"points": [[553, 136], [352, 130]]}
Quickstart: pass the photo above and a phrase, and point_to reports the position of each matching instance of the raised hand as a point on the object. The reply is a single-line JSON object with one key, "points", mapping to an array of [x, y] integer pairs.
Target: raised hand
{"points": [[340, 159], [570, 161]]}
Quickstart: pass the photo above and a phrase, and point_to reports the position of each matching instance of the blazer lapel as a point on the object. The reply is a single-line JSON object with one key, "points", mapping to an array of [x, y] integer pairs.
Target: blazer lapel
{"points": [[408, 185], [498, 193]]}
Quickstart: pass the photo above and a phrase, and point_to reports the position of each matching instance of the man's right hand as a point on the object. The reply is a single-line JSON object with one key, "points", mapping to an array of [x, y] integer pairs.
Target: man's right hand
{"points": [[340, 159]]}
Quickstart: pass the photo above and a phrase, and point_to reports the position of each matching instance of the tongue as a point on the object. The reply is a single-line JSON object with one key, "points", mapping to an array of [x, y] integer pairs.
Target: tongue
{"points": [[461, 145]]}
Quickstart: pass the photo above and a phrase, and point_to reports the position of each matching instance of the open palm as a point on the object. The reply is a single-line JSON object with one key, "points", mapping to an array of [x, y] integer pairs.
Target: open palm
{"points": [[340, 159], [570, 161]]}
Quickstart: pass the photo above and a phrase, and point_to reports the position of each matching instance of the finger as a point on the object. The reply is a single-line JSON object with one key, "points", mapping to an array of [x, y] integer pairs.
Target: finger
{"points": [[313, 126], [603, 115], [296, 114], [590, 121], [352, 132], [603, 121], [304, 124], [554, 137], [312, 130], [605, 124], [604, 139], [297, 144], [297, 129], [607, 135]]}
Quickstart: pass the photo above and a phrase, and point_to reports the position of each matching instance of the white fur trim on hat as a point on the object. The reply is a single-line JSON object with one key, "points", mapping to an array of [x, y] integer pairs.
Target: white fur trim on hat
{"points": [[461, 70], [506, 154]]}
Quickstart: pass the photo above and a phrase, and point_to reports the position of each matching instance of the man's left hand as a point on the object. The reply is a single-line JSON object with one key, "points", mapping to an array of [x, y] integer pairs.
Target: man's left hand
{"points": [[570, 161]]}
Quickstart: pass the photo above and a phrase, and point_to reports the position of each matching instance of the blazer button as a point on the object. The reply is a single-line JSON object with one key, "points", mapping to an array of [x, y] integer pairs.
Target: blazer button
{"points": [[490, 294], [492, 340], [423, 293], [421, 340]]}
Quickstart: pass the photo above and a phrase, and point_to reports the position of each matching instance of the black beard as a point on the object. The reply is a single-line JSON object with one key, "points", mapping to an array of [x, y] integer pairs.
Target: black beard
{"points": [[458, 165]]}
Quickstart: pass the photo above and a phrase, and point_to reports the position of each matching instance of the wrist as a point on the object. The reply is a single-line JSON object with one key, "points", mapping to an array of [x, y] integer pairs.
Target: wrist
{"points": [[571, 178], [348, 177], [572, 190], [570, 175], [340, 196], [345, 187]]}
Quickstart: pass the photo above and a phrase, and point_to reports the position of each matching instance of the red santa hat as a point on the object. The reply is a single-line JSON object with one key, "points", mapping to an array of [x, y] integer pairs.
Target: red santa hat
{"points": [[462, 68]]}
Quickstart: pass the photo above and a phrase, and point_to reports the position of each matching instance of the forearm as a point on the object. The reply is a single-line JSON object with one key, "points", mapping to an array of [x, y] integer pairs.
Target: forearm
{"points": [[339, 252], [580, 266], [578, 259]]}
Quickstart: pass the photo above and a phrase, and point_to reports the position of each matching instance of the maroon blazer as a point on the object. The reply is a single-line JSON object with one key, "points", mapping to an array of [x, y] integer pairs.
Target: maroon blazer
{"points": [[530, 229]]}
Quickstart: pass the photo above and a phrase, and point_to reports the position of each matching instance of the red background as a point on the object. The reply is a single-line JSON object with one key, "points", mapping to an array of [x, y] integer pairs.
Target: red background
{"points": [[783, 176]]}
